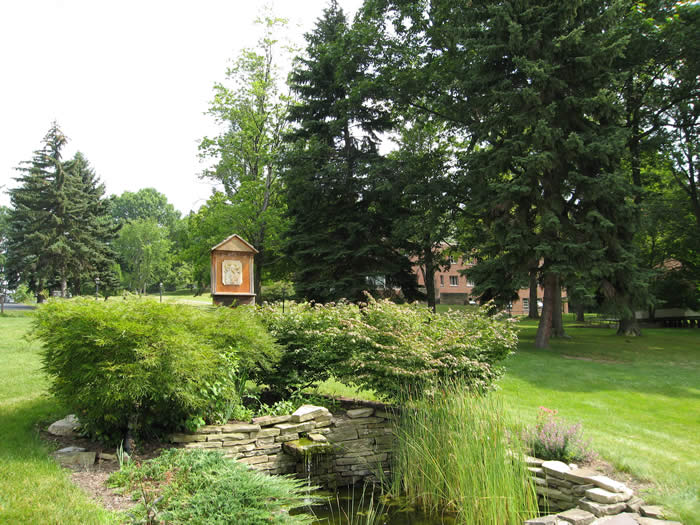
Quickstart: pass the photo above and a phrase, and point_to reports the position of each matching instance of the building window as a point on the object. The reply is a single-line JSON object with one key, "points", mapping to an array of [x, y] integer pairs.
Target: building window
{"points": [[526, 305], [470, 283], [454, 280], [453, 260], [442, 281]]}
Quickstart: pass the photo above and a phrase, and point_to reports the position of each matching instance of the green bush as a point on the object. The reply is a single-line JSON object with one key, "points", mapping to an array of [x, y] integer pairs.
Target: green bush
{"points": [[148, 365], [383, 346], [198, 486], [315, 339]]}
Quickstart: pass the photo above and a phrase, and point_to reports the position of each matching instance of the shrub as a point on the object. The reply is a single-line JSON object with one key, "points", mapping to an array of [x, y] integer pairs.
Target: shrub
{"points": [[452, 454], [399, 345], [553, 438], [383, 346], [150, 365], [198, 486], [315, 339]]}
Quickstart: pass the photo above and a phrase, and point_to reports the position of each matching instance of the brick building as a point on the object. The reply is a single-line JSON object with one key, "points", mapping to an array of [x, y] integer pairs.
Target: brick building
{"points": [[451, 287]]}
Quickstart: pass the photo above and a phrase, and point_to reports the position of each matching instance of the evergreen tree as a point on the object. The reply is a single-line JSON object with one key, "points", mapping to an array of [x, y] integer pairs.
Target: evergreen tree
{"points": [[339, 239], [59, 227], [531, 84]]}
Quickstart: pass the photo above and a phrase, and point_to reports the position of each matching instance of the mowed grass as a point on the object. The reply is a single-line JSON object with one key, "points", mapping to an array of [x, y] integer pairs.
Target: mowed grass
{"points": [[33, 488], [638, 399]]}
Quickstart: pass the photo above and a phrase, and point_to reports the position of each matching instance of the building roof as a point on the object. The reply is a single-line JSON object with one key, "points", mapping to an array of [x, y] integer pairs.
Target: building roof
{"points": [[235, 243]]}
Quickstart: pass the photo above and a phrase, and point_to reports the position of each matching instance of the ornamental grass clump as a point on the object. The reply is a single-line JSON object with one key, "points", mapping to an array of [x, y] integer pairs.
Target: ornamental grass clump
{"points": [[552, 438], [453, 456]]}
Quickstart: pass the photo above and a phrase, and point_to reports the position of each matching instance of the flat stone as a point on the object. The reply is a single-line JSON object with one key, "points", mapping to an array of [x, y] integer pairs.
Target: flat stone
{"points": [[580, 475], [652, 511], [209, 429], [318, 438], [186, 438], [601, 509], [343, 434], [536, 471], [543, 520], [531, 461], [654, 521], [634, 504], [555, 468], [228, 436], [359, 412], [206, 444], [253, 460], [268, 432], [577, 517], [604, 496], [68, 426], [619, 519], [68, 450], [240, 427], [580, 490], [80, 459], [266, 421], [560, 483], [308, 412], [103, 456], [287, 428], [287, 437], [608, 484]]}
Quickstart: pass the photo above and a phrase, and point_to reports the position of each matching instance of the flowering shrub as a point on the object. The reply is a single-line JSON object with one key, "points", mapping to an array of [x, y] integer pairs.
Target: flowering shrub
{"points": [[553, 438], [386, 347]]}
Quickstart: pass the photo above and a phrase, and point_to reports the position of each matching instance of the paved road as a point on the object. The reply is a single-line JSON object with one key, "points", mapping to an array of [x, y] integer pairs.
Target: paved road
{"points": [[16, 306]]}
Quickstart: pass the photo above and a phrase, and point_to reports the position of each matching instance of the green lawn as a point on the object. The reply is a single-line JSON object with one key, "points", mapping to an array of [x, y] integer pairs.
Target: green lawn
{"points": [[33, 488], [638, 399]]}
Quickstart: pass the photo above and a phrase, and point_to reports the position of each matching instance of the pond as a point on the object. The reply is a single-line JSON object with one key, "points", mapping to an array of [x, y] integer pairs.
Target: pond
{"points": [[356, 505]]}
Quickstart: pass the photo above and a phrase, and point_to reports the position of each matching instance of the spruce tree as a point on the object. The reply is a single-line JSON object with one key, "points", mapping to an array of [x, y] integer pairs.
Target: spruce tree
{"points": [[58, 227], [339, 237]]}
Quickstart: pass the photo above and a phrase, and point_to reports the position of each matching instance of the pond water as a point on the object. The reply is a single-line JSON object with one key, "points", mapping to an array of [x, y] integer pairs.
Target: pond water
{"points": [[361, 506]]}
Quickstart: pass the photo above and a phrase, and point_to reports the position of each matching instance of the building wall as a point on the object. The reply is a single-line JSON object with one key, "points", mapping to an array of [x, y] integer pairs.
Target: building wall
{"points": [[451, 287]]}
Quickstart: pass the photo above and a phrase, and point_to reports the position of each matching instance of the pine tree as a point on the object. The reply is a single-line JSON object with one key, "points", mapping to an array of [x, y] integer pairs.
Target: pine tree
{"points": [[58, 224], [339, 236]]}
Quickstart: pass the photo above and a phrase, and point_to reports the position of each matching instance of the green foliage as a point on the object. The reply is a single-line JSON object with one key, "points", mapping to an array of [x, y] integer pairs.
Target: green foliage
{"points": [[315, 339], [59, 227], [338, 204], [144, 250], [552, 438], [384, 346], [23, 294], [153, 365], [147, 203], [453, 454], [198, 486], [251, 110]]}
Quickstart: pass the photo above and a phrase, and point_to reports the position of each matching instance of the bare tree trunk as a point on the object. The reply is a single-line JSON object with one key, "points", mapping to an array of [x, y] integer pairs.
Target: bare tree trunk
{"points": [[580, 312], [557, 322], [429, 277], [533, 311], [544, 330]]}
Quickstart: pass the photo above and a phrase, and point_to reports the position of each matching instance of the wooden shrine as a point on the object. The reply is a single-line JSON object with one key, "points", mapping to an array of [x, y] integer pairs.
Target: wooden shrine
{"points": [[232, 272]]}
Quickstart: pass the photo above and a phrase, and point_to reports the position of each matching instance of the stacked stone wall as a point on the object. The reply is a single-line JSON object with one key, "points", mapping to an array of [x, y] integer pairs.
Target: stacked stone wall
{"points": [[330, 449], [580, 496]]}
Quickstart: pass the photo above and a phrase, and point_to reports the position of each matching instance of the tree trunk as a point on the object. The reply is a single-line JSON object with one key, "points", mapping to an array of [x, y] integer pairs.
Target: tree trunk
{"points": [[429, 277], [544, 330], [64, 287], [557, 322], [580, 312], [629, 327], [533, 311], [259, 261]]}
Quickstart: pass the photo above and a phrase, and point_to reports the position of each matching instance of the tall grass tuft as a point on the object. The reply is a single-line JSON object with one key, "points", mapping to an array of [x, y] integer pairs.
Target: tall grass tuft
{"points": [[454, 455]]}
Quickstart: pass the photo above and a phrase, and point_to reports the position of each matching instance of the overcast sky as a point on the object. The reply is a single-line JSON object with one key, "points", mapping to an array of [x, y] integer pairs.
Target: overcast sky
{"points": [[128, 82]]}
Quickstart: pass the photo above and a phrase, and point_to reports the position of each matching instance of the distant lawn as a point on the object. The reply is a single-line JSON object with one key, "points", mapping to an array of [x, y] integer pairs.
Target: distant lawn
{"points": [[33, 488], [638, 399]]}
